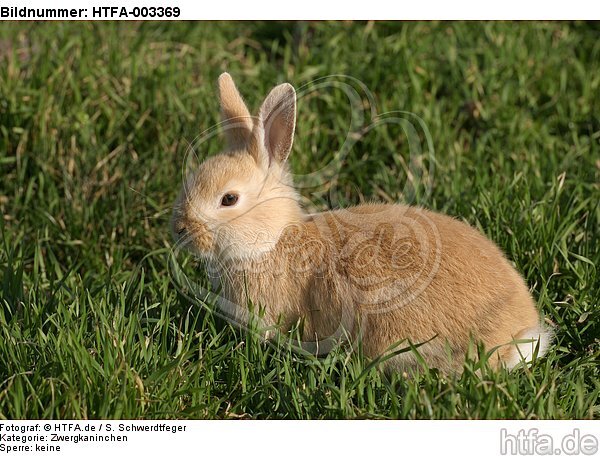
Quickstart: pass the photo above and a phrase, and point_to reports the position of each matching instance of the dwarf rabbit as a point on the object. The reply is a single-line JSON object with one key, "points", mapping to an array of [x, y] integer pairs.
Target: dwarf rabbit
{"points": [[380, 274]]}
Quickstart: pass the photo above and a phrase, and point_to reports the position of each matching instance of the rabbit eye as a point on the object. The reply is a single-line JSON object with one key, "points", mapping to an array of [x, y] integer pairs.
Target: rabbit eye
{"points": [[229, 199]]}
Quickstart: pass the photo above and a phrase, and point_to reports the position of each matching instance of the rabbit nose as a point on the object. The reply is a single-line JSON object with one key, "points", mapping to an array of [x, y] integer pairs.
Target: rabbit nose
{"points": [[179, 225]]}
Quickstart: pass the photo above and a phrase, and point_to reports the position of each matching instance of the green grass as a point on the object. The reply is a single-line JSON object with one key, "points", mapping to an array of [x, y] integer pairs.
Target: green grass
{"points": [[95, 122]]}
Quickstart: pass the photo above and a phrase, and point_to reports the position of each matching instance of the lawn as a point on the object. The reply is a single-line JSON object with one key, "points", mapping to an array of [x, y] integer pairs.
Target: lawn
{"points": [[96, 120]]}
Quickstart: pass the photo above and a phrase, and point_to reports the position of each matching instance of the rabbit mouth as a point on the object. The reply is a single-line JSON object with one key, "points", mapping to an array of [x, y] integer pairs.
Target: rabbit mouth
{"points": [[195, 239]]}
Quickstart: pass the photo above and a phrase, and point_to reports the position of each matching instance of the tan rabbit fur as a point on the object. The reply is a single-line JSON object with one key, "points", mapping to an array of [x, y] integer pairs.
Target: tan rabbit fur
{"points": [[381, 274]]}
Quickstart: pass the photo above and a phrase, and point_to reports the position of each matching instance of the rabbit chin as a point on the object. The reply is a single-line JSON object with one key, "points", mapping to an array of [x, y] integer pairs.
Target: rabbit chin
{"points": [[246, 251]]}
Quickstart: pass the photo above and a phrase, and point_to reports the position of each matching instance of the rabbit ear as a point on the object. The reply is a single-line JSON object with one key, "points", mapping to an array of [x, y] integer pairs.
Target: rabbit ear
{"points": [[238, 122], [277, 121]]}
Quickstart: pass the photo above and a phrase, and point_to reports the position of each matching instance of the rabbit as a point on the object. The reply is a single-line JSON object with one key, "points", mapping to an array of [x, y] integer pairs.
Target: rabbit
{"points": [[385, 275]]}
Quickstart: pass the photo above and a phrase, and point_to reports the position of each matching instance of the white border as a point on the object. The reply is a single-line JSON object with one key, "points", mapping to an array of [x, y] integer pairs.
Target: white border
{"points": [[349, 9], [239, 437]]}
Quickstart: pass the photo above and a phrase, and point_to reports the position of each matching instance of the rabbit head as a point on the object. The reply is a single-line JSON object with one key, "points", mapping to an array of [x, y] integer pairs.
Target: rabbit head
{"points": [[237, 203]]}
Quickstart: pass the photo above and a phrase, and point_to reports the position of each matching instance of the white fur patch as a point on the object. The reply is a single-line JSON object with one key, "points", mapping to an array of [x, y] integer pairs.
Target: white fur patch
{"points": [[530, 340]]}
